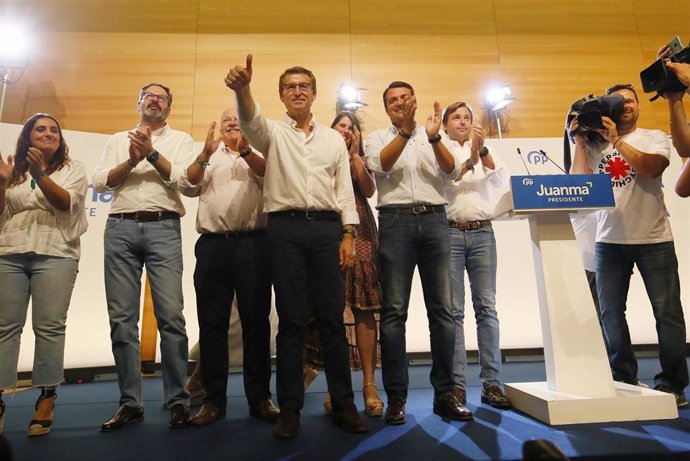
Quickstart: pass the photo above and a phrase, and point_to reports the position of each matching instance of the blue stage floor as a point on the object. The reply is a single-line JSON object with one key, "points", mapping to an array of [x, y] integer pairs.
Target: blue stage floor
{"points": [[493, 435]]}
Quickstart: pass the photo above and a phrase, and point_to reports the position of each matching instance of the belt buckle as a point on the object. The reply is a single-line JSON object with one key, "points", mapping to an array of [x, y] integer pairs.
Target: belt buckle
{"points": [[420, 209], [306, 215], [139, 216]]}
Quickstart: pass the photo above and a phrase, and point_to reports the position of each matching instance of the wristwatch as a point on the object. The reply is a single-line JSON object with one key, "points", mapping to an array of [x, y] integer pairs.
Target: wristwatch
{"points": [[352, 232], [484, 152], [153, 156], [469, 165]]}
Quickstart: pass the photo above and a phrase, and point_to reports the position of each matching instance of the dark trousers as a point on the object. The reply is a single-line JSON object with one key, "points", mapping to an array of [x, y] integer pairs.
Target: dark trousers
{"points": [[305, 259], [225, 266]]}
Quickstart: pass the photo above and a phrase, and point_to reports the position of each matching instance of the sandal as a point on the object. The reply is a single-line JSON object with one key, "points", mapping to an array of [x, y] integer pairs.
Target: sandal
{"points": [[42, 426], [373, 406]]}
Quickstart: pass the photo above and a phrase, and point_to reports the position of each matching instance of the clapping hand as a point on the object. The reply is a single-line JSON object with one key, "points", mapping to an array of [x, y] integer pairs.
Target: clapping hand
{"points": [[6, 169], [433, 122], [140, 143], [36, 162]]}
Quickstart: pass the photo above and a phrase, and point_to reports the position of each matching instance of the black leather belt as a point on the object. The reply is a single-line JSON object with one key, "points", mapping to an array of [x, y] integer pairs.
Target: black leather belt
{"points": [[469, 225], [146, 216], [232, 234], [309, 215], [413, 209]]}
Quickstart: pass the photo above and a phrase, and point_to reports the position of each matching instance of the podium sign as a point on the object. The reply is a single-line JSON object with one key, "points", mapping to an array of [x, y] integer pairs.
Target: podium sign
{"points": [[549, 192]]}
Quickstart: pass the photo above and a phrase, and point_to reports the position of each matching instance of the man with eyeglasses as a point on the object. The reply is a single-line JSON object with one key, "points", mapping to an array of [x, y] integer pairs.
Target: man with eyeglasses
{"points": [[141, 167], [412, 168], [637, 232], [310, 233]]}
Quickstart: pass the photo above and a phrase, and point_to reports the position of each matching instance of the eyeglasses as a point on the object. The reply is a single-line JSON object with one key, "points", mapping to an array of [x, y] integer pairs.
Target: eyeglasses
{"points": [[292, 87], [151, 96]]}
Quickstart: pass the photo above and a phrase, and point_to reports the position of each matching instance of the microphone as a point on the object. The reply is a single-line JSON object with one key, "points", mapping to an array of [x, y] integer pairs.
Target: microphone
{"points": [[523, 162], [549, 159]]}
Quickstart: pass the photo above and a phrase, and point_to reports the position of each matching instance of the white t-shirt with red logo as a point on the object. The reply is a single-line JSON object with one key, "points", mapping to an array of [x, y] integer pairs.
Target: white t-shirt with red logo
{"points": [[640, 214]]}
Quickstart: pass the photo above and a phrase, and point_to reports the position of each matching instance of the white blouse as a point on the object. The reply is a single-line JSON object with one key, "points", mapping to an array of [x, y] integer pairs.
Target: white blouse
{"points": [[30, 223]]}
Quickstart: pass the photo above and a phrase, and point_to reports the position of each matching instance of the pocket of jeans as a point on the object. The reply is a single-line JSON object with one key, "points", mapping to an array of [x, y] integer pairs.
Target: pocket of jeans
{"points": [[171, 224], [387, 221], [111, 223]]}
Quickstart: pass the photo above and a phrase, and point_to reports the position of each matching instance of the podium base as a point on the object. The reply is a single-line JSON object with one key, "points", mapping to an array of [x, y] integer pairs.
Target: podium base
{"points": [[631, 403]]}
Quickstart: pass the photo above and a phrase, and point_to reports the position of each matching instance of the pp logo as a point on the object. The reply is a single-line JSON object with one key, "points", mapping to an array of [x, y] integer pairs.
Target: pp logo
{"points": [[528, 181], [536, 158]]}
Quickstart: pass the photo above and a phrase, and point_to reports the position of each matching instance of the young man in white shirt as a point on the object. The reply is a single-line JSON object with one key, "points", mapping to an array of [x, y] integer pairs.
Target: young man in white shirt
{"points": [[471, 197], [412, 168], [637, 232], [231, 258], [311, 217], [142, 167]]}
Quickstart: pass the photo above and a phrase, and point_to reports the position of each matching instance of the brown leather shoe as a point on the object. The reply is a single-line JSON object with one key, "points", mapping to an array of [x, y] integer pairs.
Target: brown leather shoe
{"points": [[494, 396], [447, 406], [208, 413], [395, 412], [460, 394], [265, 410], [350, 420], [287, 425]]}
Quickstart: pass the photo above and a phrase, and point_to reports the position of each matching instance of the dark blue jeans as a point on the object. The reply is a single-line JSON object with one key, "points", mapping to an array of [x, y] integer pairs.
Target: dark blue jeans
{"points": [[658, 267], [407, 241]]}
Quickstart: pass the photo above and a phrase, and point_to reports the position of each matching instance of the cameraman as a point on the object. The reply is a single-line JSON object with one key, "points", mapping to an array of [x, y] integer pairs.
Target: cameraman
{"points": [[636, 232]]}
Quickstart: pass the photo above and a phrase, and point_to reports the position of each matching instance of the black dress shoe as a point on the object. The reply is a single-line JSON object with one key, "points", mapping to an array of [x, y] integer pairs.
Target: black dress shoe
{"points": [[125, 416], [208, 413], [395, 412], [350, 420], [448, 406], [265, 410], [494, 396], [460, 394], [287, 425], [179, 416]]}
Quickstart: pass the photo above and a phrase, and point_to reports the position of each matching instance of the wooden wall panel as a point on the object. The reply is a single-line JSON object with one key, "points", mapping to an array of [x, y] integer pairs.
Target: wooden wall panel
{"points": [[90, 57], [330, 63]]}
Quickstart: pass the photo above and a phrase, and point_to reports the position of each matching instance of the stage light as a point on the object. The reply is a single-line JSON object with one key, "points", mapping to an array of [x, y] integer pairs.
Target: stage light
{"points": [[349, 98], [14, 49], [497, 99], [13, 46]]}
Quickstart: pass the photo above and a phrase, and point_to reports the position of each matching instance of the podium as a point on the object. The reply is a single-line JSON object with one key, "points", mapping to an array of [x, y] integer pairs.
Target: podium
{"points": [[579, 387]]}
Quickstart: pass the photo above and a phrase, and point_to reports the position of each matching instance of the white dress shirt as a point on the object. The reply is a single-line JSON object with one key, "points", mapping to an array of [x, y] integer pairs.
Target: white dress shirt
{"points": [[415, 178], [473, 197], [230, 194], [30, 223], [303, 172], [143, 189]]}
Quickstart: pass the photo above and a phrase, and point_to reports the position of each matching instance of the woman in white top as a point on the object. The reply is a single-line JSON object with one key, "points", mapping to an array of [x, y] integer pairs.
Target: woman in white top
{"points": [[42, 217]]}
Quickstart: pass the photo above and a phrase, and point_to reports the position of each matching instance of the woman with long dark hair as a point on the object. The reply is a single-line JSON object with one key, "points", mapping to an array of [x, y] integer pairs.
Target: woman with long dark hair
{"points": [[42, 218]]}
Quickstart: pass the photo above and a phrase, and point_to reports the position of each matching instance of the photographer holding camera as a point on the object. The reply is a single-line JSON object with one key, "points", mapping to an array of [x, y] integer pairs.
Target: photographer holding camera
{"points": [[636, 232]]}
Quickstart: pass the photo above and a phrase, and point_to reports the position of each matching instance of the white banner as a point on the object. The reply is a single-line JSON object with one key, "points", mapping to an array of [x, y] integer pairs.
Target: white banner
{"points": [[88, 337]]}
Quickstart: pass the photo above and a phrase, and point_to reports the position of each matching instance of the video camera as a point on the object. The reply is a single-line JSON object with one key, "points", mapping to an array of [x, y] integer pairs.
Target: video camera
{"points": [[658, 77], [589, 112]]}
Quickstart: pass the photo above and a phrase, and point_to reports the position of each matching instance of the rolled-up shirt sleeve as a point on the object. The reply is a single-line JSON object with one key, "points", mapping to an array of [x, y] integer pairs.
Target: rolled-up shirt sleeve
{"points": [[107, 163], [343, 189], [373, 146], [257, 131]]}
